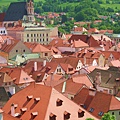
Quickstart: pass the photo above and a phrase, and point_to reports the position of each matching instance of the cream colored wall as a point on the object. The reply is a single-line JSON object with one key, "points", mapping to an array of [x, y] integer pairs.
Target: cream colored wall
{"points": [[20, 47], [101, 61], [42, 55], [37, 36]]}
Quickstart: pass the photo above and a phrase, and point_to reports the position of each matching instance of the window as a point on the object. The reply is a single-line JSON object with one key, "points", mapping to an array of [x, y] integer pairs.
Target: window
{"points": [[16, 50], [119, 113], [34, 35], [112, 113], [27, 40], [59, 70], [80, 113], [43, 39], [27, 35], [91, 110], [46, 54], [43, 34], [47, 39], [40, 40], [31, 35], [110, 91], [47, 35], [59, 102], [70, 69], [100, 113], [40, 35], [52, 117], [66, 115], [23, 50]]}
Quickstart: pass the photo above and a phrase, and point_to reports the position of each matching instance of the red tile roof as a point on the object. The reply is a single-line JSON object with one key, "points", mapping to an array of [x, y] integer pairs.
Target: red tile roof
{"points": [[2, 15], [37, 48], [103, 102], [36, 91], [70, 88], [7, 47]]}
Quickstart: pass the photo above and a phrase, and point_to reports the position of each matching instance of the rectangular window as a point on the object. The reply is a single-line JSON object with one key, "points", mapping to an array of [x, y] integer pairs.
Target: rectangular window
{"points": [[91, 110], [46, 54], [27, 35]]}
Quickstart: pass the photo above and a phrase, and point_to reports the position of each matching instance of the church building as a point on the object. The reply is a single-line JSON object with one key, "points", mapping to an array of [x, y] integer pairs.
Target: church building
{"points": [[19, 12]]}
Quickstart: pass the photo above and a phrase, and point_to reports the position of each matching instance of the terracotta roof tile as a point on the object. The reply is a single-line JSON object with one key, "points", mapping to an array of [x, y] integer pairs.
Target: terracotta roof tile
{"points": [[71, 87], [21, 99], [37, 48], [82, 79]]}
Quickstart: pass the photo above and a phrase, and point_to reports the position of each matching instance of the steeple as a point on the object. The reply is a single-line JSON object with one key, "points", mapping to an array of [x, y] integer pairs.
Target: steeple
{"points": [[30, 10]]}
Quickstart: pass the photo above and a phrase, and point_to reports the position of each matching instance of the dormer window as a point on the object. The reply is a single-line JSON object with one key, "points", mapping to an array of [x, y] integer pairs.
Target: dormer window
{"points": [[23, 110], [70, 69], [59, 102], [80, 113], [29, 97], [66, 115], [33, 115], [52, 117], [36, 100]]}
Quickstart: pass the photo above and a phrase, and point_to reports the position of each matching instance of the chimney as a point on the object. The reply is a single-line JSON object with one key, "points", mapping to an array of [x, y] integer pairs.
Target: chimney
{"points": [[12, 110], [35, 66], [8, 41], [98, 78], [52, 76], [64, 87], [44, 63]]}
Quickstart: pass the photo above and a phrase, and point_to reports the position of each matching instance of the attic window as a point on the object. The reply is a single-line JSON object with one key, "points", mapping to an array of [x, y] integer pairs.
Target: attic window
{"points": [[70, 69], [91, 110], [29, 97], [36, 100], [52, 117], [23, 110], [100, 113], [80, 113], [33, 115], [59, 102], [15, 105], [66, 115]]}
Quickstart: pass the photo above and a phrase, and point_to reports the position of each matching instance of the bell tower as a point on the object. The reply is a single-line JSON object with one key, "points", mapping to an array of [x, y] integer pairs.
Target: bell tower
{"points": [[30, 10]]}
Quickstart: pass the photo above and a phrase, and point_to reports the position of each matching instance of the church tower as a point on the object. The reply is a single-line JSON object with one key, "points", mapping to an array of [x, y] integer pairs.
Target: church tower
{"points": [[30, 10]]}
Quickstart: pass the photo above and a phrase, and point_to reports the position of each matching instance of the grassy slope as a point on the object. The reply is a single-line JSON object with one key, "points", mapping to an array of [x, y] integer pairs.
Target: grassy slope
{"points": [[114, 6]]}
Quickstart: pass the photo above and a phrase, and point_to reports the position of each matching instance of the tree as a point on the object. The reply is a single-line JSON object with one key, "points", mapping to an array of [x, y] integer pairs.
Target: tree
{"points": [[89, 119], [108, 116]]}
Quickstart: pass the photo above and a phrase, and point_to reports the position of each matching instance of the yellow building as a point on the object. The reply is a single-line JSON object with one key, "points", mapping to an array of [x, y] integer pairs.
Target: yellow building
{"points": [[38, 34]]}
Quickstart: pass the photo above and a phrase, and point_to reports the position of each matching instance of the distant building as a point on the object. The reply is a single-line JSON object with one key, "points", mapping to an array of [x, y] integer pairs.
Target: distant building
{"points": [[33, 34], [19, 11], [3, 31]]}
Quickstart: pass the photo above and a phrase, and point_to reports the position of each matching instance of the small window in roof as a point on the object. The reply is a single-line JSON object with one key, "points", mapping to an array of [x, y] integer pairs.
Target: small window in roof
{"points": [[91, 110], [66, 115], [59, 102], [80, 113], [100, 113], [52, 117]]}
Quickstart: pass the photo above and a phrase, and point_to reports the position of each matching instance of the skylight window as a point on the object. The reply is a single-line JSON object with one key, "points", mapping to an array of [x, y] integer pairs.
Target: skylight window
{"points": [[91, 110], [100, 113]]}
